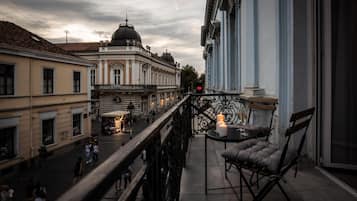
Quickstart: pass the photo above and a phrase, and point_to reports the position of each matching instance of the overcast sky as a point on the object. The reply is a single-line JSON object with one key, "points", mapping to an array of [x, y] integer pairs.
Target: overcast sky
{"points": [[163, 24]]}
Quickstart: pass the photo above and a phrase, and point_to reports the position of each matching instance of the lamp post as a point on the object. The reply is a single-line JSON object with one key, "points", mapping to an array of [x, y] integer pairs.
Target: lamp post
{"points": [[130, 108]]}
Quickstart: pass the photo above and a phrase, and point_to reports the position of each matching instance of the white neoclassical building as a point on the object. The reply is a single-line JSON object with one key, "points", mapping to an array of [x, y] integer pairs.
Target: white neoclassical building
{"points": [[124, 71]]}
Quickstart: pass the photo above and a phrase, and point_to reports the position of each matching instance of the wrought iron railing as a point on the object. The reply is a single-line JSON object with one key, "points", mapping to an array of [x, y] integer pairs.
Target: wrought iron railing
{"points": [[125, 87], [205, 108], [158, 178], [165, 143]]}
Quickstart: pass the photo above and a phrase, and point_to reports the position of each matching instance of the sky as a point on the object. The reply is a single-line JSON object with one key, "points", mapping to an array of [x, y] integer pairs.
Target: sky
{"points": [[174, 25]]}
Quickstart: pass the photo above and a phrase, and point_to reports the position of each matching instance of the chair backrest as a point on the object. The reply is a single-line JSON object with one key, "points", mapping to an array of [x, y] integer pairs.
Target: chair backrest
{"points": [[299, 121], [262, 104]]}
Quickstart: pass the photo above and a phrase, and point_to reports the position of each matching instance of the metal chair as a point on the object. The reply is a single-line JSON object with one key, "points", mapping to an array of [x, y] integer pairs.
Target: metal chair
{"points": [[256, 105], [266, 159]]}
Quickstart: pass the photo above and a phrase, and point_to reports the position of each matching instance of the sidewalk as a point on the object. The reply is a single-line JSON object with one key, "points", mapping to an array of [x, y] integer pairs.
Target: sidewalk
{"points": [[57, 172]]}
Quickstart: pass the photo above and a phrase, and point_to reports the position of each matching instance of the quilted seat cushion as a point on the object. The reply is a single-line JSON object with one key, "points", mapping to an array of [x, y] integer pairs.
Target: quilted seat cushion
{"points": [[259, 154], [258, 131]]}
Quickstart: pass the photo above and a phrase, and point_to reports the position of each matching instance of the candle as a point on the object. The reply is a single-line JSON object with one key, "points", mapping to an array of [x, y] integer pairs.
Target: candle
{"points": [[220, 117], [221, 129]]}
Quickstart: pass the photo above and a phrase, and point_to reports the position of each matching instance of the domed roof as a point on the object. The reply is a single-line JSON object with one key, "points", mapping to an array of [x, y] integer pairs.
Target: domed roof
{"points": [[126, 35], [166, 56]]}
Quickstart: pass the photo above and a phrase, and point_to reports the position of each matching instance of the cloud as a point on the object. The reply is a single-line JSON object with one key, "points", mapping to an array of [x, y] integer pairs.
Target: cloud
{"points": [[162, 24]]}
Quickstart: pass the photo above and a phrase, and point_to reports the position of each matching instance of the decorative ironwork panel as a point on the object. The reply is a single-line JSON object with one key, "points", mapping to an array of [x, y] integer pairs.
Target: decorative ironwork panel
{"points": [[207, 106]]}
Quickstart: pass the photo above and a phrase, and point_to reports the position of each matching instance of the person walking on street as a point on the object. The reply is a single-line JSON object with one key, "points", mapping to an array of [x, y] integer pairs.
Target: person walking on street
{"points": [[40, 192], [95, 152], [78, 170], [87, 150], [127, 176], [147, 120]]}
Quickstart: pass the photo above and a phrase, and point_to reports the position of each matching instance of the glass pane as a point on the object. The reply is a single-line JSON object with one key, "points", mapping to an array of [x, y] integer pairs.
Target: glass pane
{"points": [[47, 131], [77, 124], [2, 85], [344, 93], [7, 143], [9, 85]]}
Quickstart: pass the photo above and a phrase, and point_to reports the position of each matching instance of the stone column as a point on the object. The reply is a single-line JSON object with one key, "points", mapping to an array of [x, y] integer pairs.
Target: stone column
{"points": [[100, 72], [106, 72], [127, 66]]}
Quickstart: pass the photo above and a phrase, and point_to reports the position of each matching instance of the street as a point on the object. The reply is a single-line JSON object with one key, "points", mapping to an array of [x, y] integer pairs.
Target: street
{"points": [[56, 174]]}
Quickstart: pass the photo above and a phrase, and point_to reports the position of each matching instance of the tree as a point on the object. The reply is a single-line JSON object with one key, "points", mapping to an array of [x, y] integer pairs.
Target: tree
{"points": [[202, 79], [188, 78]]}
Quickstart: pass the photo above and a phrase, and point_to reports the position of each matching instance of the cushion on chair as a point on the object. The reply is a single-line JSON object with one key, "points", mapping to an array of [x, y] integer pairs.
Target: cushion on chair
{"points": [[258, 154], [258, 131], [232, 152]]}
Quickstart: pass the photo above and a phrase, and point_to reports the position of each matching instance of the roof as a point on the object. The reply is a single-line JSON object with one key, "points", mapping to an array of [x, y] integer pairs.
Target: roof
{"points": [[14, 35], [166, 56], [115, 113], [125, 35], [80, 47], [16, 39]]}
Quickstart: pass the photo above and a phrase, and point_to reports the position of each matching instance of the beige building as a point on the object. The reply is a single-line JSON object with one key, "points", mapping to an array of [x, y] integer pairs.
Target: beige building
{"points": [[44, 96], [126, 72]]}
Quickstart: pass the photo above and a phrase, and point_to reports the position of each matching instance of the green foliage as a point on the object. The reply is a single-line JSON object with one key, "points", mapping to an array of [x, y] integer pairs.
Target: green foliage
{"points": [[202, 79], [189, 78]]}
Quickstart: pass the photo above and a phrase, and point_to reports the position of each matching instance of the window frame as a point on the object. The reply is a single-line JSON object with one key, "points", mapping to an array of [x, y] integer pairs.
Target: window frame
{"points": [[76, 86], [14, 142], [53, 119], [80, 114], [116, 77], [45, 91], [13, 80]]}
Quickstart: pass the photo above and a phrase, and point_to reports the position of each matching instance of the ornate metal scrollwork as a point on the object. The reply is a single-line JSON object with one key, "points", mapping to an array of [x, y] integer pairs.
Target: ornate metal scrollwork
{"points": [[206, 107]]}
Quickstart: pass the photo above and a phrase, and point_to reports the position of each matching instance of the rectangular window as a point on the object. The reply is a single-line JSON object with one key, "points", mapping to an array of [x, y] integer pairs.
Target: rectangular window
{"points": [[92, 77], [116, 76], [7, 143], [76, 81], [6, 79], [47, 81], [48, 131], [77, 120]]}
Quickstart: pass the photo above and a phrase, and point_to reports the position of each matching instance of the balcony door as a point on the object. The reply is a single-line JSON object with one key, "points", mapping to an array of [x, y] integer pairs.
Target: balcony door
{"points": [[339, 84]]}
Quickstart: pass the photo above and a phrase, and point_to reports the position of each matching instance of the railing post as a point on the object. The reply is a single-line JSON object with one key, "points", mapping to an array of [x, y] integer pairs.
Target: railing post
{"points": [[154, 171]]}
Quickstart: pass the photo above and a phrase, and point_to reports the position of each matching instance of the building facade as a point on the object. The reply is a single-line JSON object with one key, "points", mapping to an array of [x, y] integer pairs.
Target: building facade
{"points": [[299, 51], [126, 72], [37, 108]]}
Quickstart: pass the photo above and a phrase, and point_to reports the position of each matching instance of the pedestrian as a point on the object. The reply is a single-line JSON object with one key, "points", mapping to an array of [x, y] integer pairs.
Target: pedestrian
{"points": [[78, 170], [153, 114], [30, 186], [11, 193], [87, 150], [147, 120], [95, 152], [4, 192], [40, 192], [118, 182], [127, 176], [42, 154]]}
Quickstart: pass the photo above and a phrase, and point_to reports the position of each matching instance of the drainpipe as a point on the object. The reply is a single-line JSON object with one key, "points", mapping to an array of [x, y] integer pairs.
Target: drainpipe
{"points": [[30, 91]]}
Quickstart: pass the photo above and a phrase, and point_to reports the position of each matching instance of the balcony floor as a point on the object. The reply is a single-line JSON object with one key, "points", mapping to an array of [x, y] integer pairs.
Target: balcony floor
{"points": [[310, 184]]}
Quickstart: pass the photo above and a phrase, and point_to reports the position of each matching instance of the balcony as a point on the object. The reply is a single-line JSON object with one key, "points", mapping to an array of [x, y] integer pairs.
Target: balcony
{"points": [[125, 88], [173, 168]]}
